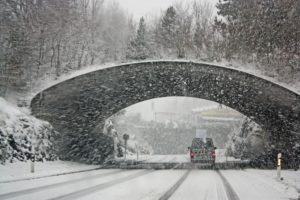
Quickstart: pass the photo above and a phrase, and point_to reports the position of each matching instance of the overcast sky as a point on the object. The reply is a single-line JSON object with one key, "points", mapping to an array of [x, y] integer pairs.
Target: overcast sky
{"points": [[141, 8]]}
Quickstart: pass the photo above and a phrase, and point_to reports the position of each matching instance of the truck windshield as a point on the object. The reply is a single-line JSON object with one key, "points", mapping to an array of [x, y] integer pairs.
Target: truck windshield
{"points": [[201, 143], [198, 143], [209, 142]]}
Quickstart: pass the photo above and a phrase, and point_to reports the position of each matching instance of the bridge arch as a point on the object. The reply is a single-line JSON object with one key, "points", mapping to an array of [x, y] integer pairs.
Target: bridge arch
{"points": [[79, 104]]}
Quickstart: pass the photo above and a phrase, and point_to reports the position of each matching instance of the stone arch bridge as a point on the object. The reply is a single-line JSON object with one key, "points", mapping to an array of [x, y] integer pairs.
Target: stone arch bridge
{"points": [[81, 104]]}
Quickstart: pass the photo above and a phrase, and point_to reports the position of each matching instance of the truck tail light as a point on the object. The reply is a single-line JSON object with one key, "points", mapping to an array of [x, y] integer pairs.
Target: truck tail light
{"points": [[192, 154]]}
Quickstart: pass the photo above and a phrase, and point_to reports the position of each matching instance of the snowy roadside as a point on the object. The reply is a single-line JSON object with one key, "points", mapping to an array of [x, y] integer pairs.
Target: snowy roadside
{"points": [[21, 170], [291, 178], [263, 184]]}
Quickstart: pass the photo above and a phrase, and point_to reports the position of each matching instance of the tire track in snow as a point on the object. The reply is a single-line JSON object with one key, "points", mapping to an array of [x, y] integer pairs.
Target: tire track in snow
{"points": [[171, 191], [231, 194], [89, 190], [221, 191], [45, 187]]}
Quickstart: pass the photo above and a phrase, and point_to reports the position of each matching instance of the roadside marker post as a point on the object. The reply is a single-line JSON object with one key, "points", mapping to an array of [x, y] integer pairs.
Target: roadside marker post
{"points": [[32, 160], [279, 155], [137, 152], [125, 137]]}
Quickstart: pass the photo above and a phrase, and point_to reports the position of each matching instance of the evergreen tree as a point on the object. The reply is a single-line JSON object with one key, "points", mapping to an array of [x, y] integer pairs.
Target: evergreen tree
{"points": [[168, 27], [183, 35], [203, 32], [166, 31], [173, 32], [138, 48], [198, 39], [266, 29]]}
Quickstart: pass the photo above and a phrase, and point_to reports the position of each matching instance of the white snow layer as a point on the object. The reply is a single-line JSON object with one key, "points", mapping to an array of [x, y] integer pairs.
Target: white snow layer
{"points": [[19, 131], [199, 184], [21, 170]]}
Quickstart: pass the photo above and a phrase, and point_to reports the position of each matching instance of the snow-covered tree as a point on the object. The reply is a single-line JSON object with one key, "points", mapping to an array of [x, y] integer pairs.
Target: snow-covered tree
{"points": [[262, 31], [51, 37], [249, 141], [183, 31], [138, 48], [166, 30], [203, 32], [173, 32], [23, 137]]}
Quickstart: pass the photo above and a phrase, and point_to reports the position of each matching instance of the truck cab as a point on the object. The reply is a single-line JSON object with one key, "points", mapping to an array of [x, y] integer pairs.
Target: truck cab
{"points": [[202, 150]]}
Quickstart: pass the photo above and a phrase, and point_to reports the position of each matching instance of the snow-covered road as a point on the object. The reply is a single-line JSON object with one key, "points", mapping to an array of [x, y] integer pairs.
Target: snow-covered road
{"points": [[115, 184], [178, 158]]}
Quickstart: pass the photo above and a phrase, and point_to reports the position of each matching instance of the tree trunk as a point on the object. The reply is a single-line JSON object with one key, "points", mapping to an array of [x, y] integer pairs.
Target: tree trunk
{"points": [[57, 67], [80, 57], [53, 53]]}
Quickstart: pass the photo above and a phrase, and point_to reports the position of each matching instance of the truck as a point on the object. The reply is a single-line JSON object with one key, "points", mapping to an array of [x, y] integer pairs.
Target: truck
{"points": [[202, 150]]}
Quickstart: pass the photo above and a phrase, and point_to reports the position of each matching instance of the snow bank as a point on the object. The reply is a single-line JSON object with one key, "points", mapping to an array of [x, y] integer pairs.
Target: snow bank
{"points": [[291, 178], [261, 184], [19, 131], [21, 170]]}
